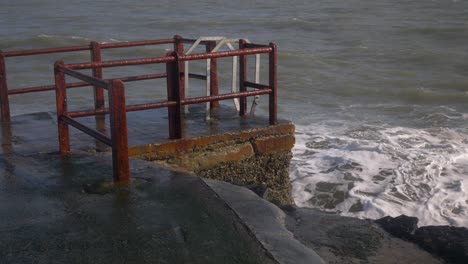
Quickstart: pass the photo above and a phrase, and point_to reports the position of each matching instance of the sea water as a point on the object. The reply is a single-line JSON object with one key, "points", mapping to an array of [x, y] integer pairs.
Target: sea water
{"points": [[378, 89]]}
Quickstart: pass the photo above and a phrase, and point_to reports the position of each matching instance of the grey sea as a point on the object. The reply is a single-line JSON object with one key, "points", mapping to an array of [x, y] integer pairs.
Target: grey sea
{"points": [[378, 89]]}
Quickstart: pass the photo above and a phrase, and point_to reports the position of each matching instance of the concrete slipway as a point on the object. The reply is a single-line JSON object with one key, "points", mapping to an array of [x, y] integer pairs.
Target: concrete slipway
{"points": [[65, 210]]}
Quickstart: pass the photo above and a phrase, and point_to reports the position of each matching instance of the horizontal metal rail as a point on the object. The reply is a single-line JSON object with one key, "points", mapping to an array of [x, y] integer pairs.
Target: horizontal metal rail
{"points": [[18, 53], [84, 84], [118, 63], [136, 43], [221, 54], [153, 105], [141, 77], [204, 99], [197, 56], [128, 108], [44, 88], [93, 112], [95, 134]]}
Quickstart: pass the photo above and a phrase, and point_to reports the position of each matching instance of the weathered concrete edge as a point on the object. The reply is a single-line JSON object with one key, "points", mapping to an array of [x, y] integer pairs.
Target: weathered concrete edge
{"points": [[178, 146], [266, 222]]}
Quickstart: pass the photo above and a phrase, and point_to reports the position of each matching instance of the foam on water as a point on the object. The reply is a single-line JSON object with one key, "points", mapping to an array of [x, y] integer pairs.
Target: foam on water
{"points": [[370, 172]]}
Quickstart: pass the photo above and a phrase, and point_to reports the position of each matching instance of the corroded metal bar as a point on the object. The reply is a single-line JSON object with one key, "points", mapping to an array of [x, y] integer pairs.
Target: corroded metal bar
{"points": [[173, 94], [198, 56], [118, 63], [142, 77], [179, 49], [222, 54], [242, 79], [18, 53], [83, 84], [136, 43], [272, 79], [45, 88], [214, 90], [83, 77], [119, 136], [98, 90], [256, 85], [204, 99], [197, 76], [139, 107], [97, 73], [61, 103], [7, 142], [93, 112], [4, 101], [129, 108], [95, 134]]}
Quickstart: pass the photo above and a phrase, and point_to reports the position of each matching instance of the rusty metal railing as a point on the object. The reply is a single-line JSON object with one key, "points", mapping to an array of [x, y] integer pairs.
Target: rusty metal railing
{"points": [[118, 139], [95, 53], [175, 79]]}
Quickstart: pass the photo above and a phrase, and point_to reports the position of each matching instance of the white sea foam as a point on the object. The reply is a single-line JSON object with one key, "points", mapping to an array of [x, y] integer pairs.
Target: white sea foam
{"points": [[371, 172], [74, 38], [62, 37]]}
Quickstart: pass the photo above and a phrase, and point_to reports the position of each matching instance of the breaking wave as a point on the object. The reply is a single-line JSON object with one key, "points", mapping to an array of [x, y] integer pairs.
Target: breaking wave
{"points": [[370, 172]]}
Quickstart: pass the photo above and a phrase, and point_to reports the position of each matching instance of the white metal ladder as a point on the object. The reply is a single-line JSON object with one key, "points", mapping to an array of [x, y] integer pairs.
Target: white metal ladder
{"points": [[221, 41]]}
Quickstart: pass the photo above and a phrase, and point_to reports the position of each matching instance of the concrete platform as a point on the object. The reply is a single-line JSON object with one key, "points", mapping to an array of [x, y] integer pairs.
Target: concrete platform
{"points": [[65, 210], [37, 132], [61, 211]]}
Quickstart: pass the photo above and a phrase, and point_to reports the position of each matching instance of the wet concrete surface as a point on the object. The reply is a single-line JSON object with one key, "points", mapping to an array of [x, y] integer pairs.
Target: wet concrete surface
{"points": [[66, 210], [57, 209], [37, 132], [47, 215], [267, 222]]}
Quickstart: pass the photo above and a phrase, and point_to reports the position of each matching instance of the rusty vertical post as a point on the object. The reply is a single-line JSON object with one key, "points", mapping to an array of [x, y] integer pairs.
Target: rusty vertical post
{"points": [[173, 94], [95, 49], [242, 79], [97, 72], [272, 62], [214, 90], [4, 102], [7, 144], [61, 101], [119, 136], [179, 48]]}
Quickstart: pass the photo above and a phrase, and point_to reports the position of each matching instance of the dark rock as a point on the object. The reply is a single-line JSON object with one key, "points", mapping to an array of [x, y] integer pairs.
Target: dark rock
{"points": [[260, 190], [326, 186], [378, 178], [357, 207], [402, 226], [327, 200], [449, 242], [339, 239]]}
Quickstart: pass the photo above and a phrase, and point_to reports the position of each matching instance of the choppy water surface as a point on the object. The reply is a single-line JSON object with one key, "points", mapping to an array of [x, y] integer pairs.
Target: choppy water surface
{"points": [[378, 88]]}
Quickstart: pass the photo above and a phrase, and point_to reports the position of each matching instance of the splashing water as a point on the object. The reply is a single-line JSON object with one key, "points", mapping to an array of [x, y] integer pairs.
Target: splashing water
{"points": [[370, 172]]}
